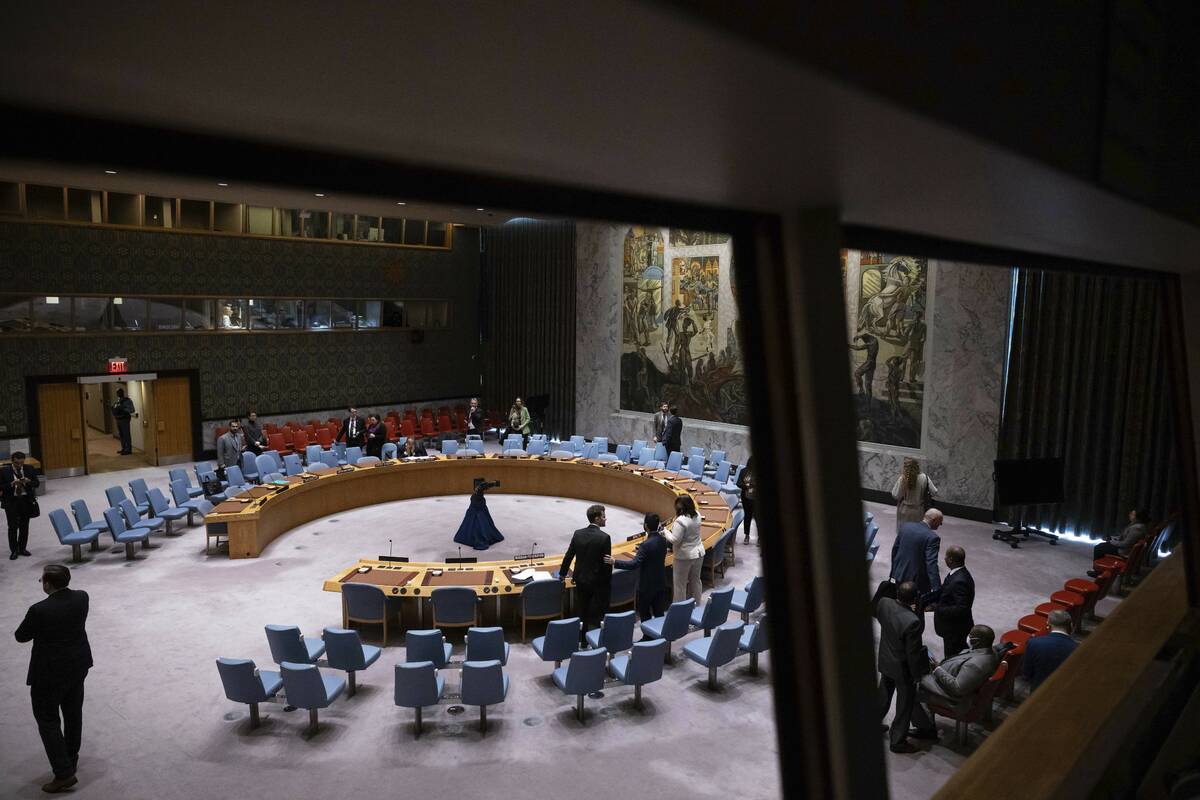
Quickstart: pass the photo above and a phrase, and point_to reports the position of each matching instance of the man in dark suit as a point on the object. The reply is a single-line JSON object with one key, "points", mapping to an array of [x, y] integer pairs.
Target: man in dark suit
{"points": [[413, 448], [375, 435], [58, 667], [352, 430], [591, 550], [1044, 654], [673, 431], [474, 419], [653, 593], [952, 618], [915, 555], [123, 411], [17, 483], [902, 662]]}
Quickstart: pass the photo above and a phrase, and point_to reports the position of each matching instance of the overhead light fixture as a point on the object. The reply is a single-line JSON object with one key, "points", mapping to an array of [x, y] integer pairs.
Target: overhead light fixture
{"points": [[479, 209], [401, 204], [219, 183], [318, 194], [110, 172]]}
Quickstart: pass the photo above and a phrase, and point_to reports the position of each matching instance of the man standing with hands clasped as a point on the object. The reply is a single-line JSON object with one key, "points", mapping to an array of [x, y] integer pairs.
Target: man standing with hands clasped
{"points": [[591, 550], [58, 666]]}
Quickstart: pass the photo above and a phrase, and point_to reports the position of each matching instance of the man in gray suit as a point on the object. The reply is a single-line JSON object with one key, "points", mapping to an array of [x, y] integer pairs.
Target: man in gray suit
{"points": [[902, 662], [660, 422], [230, 446], [955, 681]]}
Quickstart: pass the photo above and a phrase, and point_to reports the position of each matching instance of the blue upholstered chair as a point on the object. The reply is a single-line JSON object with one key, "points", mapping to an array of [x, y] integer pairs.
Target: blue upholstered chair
{"points": [[362, 602], [319, 468], [367, 461], [717, 650], [390, 449], [541, 600], [292, 465], [695, 452], [615, 633], [339, 448], [418, 685], [205, 472], [121, 534], [312, 453], [426, 646], [307, 688], [454, 607], [577, 443], [754, 641], [449, 447], [180, 474], [638, 444], [67, 534], [674, 461], [236, 480], [487, 644], [141, 495], [264, 464], [607, 458], [715, 611], [287, 644], [159, 507], [84, 521], [644, 664], [183, 499], [249, 466], [353, 454], [695, 467], [645, 456], [560, 642], [623, 453], [245, 683], [715, 457], [115, 494], [660, 452], [537, 448], [514, 449], [345, 651], [483, 684], [721, 476], [623, 588], [270, 477], [601, 443], [132, 520], [672, 625], [714, 558], [590, 451], [563, 451], [748, 600], [475, 442], [583, 674], [329, 458], [277, 457]]}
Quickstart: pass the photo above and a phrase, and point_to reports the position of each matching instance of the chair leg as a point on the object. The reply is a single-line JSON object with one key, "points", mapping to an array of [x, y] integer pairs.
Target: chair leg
{"points": [[754, 663], [483, 720], [637, 697], [312, 720], [960, 731], [129, 551], [523, 640], [579, 710], [254, 720], [712, 678], [96, 545], [418, 722], [353, 684], [76, 554]]}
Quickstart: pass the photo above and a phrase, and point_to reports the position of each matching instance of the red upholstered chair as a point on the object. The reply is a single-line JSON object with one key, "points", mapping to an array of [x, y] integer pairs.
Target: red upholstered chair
{"points": [[427, 431], [299, 440], [408, 428], [1034, 624], [1090, 591], [980, 708], [1014, 658], [312, 423], [275, 442], [1044, 609], [390, 424], [287, 434], [445, 425], [325, 438], [1074, 602]]}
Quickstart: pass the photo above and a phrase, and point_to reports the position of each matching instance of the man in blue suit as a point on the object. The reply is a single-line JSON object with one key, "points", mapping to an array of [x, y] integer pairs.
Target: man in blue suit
{"points": [[1043, 654], [915, 555]]}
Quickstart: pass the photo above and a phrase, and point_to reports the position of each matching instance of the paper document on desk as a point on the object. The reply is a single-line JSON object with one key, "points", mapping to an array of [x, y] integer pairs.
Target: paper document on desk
{"points": [[531, 574]]}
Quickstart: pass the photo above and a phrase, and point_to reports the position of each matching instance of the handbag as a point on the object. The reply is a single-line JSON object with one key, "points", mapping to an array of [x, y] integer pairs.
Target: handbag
{"points": [[211, 485], [927, 496], [34, 509]]}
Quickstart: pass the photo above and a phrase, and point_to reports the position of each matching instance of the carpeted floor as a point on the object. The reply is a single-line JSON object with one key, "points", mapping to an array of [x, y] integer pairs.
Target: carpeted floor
{"points": [[157, 724]]}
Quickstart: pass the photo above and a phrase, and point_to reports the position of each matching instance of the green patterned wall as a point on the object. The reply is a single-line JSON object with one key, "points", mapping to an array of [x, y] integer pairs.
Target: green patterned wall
{"points": [[276, 372]]}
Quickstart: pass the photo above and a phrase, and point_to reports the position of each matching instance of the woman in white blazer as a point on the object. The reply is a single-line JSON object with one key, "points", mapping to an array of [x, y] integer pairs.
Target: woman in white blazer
{"points": [[688, 550]]}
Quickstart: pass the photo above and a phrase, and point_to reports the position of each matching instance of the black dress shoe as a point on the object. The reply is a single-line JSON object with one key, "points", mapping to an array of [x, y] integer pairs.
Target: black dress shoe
{"points": [[59, 784], [12, 556], [903, 747], [26, 553], [919, 734], [1093, 574]]}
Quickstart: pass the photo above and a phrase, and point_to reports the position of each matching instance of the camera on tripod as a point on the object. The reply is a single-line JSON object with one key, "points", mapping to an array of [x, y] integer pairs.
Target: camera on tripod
{"points": [[482, 485]]}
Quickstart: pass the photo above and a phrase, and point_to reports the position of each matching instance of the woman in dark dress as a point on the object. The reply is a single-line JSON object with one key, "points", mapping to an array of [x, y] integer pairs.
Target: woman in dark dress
{"points": [[745, 482], [477, 529]]}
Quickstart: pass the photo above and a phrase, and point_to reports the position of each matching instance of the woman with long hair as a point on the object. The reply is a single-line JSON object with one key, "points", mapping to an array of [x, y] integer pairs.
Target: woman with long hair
{"points": [[909, 493], [688, 549], [745, 482]]}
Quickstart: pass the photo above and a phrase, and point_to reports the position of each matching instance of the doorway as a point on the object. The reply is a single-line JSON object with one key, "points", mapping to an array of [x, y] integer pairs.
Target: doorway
{"points": [[103, 440]]}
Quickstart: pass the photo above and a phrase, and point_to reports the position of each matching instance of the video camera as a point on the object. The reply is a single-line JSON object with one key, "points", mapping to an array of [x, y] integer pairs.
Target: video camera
{"points": [[482, 485]]}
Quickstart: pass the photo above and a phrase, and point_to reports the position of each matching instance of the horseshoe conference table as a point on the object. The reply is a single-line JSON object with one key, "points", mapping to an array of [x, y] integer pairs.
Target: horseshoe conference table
{"points": [[254, 520]]}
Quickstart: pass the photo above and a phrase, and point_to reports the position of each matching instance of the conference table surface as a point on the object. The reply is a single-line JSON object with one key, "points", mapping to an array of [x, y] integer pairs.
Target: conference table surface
{"points": [[253, 520]]}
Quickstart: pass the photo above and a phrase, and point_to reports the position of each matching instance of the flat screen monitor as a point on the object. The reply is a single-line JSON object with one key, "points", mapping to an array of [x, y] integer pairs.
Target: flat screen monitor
{"points": [[1029, 481]]}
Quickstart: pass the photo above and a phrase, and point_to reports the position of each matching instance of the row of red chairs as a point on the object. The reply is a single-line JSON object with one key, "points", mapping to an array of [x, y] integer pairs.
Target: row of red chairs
{"points": [[411, 423]]}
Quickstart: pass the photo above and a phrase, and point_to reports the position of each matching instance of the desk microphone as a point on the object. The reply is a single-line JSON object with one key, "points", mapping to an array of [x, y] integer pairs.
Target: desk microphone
{"points": [[389, 548], [460, 561], [532, 550]]}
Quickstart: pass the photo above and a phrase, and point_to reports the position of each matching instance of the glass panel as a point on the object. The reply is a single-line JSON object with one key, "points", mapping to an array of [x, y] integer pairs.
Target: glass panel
{"points": [[197, 315], [342, 315], [259, 220], [85, 205], [122, 209], [231, 314], [10, 199], [436, 236], [417, 315], [394, 314], [439, 315], [227, 217], [51, 314], [317, 314], [343, 227], [414, 231], [262, 315], [368, 229], [158, 212], [368, 313], [193, 214], [166, 314], [14, 314], [129, 314], [289, 221], [289, 313], [316, 224], [393, 230], [91, 313], [44, 202]]}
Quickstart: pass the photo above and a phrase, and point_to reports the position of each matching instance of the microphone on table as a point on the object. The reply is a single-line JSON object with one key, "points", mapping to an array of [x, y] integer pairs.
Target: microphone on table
{"points": [[460, 561], [389, 548], [532, 550]]}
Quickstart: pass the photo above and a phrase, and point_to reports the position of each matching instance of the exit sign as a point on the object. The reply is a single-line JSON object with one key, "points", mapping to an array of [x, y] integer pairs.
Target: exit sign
{"points": [[116, 365]]}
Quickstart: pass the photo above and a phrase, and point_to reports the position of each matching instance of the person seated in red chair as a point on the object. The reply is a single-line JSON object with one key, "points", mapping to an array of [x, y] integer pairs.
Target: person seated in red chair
{"points": [[955, 681], [1044, 654], [1122, 543]]}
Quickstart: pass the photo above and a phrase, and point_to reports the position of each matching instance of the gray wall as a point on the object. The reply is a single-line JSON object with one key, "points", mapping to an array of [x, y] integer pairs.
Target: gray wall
{"points": [[276, 372]]}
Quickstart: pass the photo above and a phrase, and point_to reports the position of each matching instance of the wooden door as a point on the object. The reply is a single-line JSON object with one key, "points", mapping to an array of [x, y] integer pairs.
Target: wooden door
{"points": [[172, 423], [60, 429]]}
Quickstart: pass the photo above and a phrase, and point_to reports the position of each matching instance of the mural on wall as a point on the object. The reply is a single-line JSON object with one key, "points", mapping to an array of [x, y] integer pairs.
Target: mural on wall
{"points": [[673, 345], [887, 348]]}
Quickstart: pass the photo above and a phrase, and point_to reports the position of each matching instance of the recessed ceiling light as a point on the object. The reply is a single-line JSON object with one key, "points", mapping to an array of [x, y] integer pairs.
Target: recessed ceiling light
{"points": [[318, 194], [479, 209], [219, 183], [110, 172], [401, 204]]}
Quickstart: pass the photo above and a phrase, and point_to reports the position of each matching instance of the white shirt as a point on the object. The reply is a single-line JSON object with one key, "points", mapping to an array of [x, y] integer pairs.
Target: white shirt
{"points": [[684, 536], [951, 572]]}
